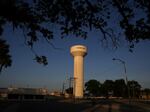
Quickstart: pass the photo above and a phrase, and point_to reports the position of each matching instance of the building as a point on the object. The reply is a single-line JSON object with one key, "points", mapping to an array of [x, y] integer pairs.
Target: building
{"points": [[25, 94]]}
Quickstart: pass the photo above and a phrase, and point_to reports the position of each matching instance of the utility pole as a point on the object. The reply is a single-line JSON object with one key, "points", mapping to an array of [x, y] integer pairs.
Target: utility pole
{"points": [[63, 87], [72, 83]]}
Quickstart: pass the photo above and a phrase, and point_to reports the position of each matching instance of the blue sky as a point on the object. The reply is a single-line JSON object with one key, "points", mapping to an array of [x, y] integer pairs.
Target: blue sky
{"points": [[25, 72]]}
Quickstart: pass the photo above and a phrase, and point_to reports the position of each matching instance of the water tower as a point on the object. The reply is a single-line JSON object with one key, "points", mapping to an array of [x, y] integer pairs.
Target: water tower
{"points": [[78, 52]]}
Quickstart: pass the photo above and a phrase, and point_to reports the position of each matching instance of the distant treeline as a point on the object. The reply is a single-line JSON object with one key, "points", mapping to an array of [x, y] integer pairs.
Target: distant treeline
{"points": [[117, 88]]}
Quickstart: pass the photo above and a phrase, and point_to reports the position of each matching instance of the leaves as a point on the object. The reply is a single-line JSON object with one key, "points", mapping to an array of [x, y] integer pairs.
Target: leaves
{"points": [[93, 87], [75, 17], [134, 88], [5, 58], [116, 88], [41, 60]]}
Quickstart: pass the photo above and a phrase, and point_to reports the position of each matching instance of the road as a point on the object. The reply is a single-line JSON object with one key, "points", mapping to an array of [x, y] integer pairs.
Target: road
{"points": [[119, 106], [64, 105]]}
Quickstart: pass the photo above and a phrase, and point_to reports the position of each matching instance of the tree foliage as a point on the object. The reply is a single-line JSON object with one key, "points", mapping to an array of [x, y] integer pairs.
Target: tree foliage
{"points": [[120, 88], [134, 88], [5, 58], [116, 88], [76, 17], [69, 90], [93, 87], [108, 87]]}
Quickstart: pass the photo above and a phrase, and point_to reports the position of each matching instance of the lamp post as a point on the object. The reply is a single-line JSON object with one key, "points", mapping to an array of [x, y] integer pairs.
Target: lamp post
{"points": [[125, 71]]}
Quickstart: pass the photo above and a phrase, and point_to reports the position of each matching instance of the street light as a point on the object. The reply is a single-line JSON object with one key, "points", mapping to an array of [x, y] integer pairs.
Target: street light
{"points": [[125, 71]]}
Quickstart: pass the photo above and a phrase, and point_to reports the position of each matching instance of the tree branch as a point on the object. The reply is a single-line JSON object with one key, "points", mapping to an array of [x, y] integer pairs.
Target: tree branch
{"points": [[121, 12], [52, 45]]}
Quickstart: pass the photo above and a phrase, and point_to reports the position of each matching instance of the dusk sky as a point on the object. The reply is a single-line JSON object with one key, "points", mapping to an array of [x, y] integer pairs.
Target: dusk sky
{"points": [[25, 72]]}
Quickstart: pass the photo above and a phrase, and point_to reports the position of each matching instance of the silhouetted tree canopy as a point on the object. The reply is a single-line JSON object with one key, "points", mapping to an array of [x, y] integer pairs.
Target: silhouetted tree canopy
{"points": [[120, 88], [69, 90], [108, 87], [76, 17], [134, 88], [5, 58], [93, 87], [117, 88]]}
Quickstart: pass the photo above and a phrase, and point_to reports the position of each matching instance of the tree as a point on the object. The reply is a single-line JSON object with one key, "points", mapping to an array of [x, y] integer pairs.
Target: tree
{"points": [[93, 87], [120, 88], [134, 88], [5, 58], [69, 90], [75, 17], [108, 87]]}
